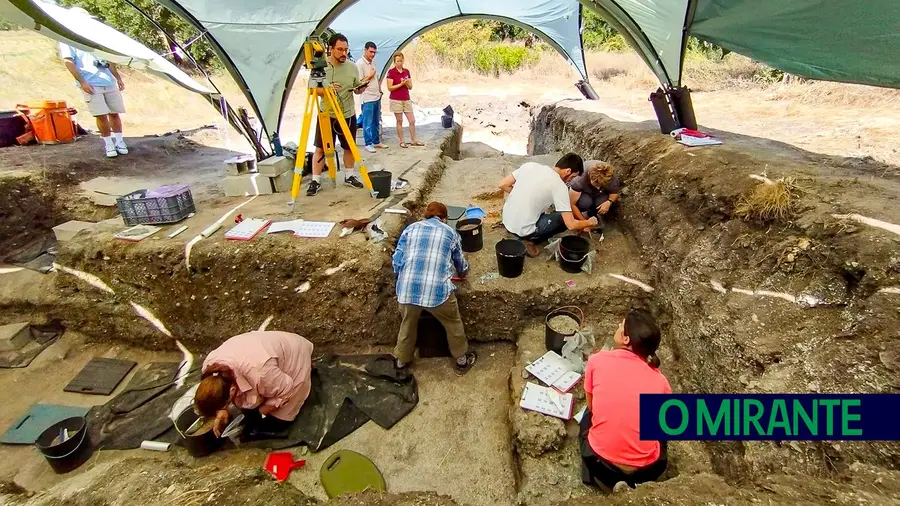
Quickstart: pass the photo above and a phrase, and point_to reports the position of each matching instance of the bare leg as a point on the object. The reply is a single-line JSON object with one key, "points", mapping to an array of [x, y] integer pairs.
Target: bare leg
{"points": [[412, 126], [103, 125], [399, 117], [318, 162], [115, 123], [349, 162]]}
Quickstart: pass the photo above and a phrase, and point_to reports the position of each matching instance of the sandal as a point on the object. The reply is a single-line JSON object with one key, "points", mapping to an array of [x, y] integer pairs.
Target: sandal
{"points": [[417, 143], [404, 144]]}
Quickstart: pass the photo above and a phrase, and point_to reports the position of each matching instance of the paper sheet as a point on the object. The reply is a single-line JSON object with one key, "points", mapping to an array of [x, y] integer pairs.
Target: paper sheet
{"points": [[546, 401], [554, 371]]}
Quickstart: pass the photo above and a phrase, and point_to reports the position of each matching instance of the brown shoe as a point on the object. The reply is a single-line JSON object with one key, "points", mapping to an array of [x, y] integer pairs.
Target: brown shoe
{"points": [[531, 250], [471, 357]]}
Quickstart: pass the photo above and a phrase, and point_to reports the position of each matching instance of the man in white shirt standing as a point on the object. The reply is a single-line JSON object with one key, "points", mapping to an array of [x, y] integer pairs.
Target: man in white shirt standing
{"points": [[532, 189], [102, 87], [370, 99]]}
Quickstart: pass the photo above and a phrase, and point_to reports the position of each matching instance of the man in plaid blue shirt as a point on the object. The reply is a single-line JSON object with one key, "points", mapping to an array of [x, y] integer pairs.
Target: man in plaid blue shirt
{"points": [[427, 254]]}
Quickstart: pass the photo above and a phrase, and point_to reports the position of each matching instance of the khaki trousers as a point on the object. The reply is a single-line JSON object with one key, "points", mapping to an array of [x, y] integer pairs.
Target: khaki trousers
{"points": [[447, 313]]}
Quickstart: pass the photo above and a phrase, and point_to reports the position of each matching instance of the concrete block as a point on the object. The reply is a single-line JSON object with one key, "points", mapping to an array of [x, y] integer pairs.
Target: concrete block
{"points": [[68, 230], [282, 183], [248, 184], [14, 336], [274, 166]]}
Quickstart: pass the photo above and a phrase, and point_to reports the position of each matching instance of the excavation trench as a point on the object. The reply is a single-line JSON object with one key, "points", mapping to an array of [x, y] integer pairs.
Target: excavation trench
{"points": [[737, 315]]}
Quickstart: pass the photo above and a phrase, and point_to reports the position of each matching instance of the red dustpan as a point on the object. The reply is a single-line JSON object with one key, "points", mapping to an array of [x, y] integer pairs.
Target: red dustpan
{"points": [[280, 464]]}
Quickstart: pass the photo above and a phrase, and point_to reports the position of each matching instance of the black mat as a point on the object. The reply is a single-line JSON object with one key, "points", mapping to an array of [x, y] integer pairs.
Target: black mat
{"points": [[100, 376], [42, 336], [141, 411], [347, 391]]}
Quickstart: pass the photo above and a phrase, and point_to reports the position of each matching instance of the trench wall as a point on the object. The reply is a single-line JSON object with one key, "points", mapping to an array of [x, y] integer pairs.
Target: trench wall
{"points": [[678, 208]]}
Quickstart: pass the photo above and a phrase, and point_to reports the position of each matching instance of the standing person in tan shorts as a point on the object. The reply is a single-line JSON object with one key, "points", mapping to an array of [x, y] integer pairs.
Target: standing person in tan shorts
{"points": [[102, 87], [399, 83]]}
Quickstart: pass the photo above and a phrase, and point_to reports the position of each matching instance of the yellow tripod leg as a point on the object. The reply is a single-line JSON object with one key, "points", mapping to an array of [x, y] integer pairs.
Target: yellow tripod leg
{"points": [[304, 138], [327, 137], [357, 156]]}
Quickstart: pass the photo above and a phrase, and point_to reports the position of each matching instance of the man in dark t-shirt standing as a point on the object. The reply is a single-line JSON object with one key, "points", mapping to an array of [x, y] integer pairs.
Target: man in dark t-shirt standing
{"points": [[595, 191]]}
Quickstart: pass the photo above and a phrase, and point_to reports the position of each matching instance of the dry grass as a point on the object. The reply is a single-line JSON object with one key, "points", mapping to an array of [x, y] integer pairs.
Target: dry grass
{"points": [[31, 70], [769, 201]]}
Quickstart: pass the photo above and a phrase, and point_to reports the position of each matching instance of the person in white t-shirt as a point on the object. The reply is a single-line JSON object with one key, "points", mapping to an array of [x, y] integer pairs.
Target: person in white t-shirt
{"points": [[532, 189]]}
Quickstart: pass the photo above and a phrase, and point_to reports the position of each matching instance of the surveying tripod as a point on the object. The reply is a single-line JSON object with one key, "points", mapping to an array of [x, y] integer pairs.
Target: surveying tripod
{"points": [[314, 58]]}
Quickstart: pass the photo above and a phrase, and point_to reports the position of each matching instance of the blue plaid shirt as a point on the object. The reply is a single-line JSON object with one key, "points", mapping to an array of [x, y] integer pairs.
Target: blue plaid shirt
{"points": [[426, 255]]}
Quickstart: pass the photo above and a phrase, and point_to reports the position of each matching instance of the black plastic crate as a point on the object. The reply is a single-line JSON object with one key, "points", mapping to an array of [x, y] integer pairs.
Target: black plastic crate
{"points": [[174, 205]]}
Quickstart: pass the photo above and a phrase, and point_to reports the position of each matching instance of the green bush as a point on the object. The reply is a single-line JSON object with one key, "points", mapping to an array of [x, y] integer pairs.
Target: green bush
{"points": [[6, 26], [494, 59]]}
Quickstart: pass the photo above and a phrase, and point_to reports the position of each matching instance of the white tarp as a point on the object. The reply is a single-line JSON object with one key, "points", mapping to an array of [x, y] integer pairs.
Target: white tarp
{"points": [[91, 35], [556, 21]]}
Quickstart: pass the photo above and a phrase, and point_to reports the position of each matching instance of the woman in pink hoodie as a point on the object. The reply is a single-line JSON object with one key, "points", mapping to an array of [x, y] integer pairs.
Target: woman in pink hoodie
{"points": [[265, 371]]}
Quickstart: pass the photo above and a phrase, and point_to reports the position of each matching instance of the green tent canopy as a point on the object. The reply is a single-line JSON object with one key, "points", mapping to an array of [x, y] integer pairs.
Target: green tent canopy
{"points": [[259, 41]]}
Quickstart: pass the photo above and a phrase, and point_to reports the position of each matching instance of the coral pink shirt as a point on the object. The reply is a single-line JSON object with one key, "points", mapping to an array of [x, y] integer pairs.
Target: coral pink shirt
{"points": [[271, 368], [615, 379]]}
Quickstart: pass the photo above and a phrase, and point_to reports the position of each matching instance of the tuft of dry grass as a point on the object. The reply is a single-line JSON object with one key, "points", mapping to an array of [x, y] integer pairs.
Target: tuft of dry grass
{"points": [[769, 201]]}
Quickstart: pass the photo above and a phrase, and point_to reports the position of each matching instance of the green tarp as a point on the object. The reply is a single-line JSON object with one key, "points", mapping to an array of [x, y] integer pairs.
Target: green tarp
{"points": [[855, 41]]}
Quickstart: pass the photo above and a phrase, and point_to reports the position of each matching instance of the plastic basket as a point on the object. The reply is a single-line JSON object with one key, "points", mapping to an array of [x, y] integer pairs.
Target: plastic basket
{"points": [[165, 205]]}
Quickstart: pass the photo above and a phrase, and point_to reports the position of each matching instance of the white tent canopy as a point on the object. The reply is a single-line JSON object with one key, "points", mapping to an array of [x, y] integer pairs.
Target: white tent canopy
{"points": [[558, 22], [88, 34]]}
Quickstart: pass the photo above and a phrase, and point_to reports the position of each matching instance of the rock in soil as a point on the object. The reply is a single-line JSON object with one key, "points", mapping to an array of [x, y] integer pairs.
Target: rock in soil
{"points": [[537, 434]]}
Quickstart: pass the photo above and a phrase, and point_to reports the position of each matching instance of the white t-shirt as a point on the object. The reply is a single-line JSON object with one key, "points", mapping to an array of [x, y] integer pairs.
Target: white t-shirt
{"points": [[373, 90], [537, 187]]}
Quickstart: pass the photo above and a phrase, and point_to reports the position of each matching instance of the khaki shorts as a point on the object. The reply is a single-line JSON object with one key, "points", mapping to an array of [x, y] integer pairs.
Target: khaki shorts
{"points": [[105, 100], [401, 106]]}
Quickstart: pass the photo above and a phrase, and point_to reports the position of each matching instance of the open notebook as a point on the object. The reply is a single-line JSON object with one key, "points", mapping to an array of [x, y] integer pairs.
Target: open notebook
{"points": [[554, 371], [547, 401]]}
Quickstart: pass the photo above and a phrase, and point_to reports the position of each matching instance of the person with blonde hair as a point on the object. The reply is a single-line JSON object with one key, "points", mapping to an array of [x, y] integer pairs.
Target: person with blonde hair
{"points": [[427, 254], [595, 192], [399, 82], [265, 373]]}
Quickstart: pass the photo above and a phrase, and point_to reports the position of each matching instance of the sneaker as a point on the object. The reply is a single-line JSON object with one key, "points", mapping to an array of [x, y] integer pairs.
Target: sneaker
{"points": [[112, 153], [470, 361], [353, 181], [313, 188], [122, 149], [370, 148]]}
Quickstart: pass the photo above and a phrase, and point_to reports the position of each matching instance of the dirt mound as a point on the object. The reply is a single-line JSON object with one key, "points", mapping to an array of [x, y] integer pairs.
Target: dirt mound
{"points": [[142, 482]]}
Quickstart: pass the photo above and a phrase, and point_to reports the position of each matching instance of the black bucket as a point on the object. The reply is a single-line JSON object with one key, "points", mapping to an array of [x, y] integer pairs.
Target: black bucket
{"points": [[664, 114], [573, 251], [446, 121], [381, 183], [472, 237], [73, 452], [510, 258], [200, 445], [554, 340]]}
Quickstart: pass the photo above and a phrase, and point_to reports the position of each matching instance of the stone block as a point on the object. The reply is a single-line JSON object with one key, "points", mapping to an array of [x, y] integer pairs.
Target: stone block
{"points": [[68, 230], [282, 183], [14, 336], [248, 184], [274, 166]]}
